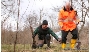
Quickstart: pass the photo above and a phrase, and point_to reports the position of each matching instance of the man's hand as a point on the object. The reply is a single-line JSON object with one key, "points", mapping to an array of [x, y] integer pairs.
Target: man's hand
{"points": [[76, 22], [60, 24], [59, 40]]}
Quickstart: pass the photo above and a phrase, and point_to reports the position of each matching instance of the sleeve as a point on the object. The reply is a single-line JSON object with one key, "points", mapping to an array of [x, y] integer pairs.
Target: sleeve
{"points": [[60, 18], [53, 34], [76, 18]]}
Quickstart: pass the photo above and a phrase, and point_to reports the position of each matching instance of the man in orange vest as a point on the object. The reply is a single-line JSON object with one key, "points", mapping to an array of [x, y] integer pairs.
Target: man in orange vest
{"points": [[67, 22]]}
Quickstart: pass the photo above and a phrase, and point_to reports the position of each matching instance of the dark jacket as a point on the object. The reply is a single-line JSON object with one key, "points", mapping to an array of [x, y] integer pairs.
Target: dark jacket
{"points": [[41, 32]]}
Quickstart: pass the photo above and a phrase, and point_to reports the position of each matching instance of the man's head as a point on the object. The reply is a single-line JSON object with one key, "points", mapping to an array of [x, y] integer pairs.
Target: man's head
{"points": [[44, 24], [67, 5]]}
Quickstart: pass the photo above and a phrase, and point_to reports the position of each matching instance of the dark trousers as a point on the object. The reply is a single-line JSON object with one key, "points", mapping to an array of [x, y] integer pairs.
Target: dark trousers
{"points": [[65, 33], [44, 39]]}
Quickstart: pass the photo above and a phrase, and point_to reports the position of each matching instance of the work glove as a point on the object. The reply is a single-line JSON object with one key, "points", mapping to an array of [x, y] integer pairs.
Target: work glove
{"points": [[59, 40]]}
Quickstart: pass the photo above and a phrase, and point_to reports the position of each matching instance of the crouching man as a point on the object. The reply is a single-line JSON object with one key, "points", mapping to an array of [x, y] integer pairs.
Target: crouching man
{"points": [[43, 32]]}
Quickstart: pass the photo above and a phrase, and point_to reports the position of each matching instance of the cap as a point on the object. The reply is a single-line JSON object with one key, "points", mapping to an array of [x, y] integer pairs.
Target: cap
{"points": [[45, 22]]}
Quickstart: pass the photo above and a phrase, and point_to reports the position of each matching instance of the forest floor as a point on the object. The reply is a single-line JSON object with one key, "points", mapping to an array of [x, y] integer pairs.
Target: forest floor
{"points": [[27, 48]]}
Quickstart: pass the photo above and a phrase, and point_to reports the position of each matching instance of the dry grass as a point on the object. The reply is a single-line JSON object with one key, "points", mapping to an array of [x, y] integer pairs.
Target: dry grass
{"points": [[27, 48]]}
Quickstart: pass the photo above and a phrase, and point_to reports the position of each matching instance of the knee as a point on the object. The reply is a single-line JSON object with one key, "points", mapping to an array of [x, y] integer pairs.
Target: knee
{"points": [[75, 36], [48, 36]]}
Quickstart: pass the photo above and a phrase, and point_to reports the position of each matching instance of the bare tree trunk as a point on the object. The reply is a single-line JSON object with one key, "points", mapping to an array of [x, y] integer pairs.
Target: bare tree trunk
{"points": [[83, 19], [40, 16], [31, 29], [18, 2], [71, 2], [15, 42], [51, 22]]}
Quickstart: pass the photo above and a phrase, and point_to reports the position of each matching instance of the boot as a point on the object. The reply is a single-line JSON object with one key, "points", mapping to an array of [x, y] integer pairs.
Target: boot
{"points": [[73, 42], [63, 45]]}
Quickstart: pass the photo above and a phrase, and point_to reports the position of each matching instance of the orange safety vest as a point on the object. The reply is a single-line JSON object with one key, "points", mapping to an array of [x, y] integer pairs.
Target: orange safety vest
{"points": [[66, 20]]}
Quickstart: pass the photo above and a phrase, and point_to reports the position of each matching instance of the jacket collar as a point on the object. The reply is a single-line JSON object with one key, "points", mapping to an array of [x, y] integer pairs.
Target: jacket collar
{"points": [[66, 10]]}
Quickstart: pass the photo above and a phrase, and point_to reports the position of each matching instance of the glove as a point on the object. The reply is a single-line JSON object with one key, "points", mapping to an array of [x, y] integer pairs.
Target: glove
{"points": [[59, 40]]}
